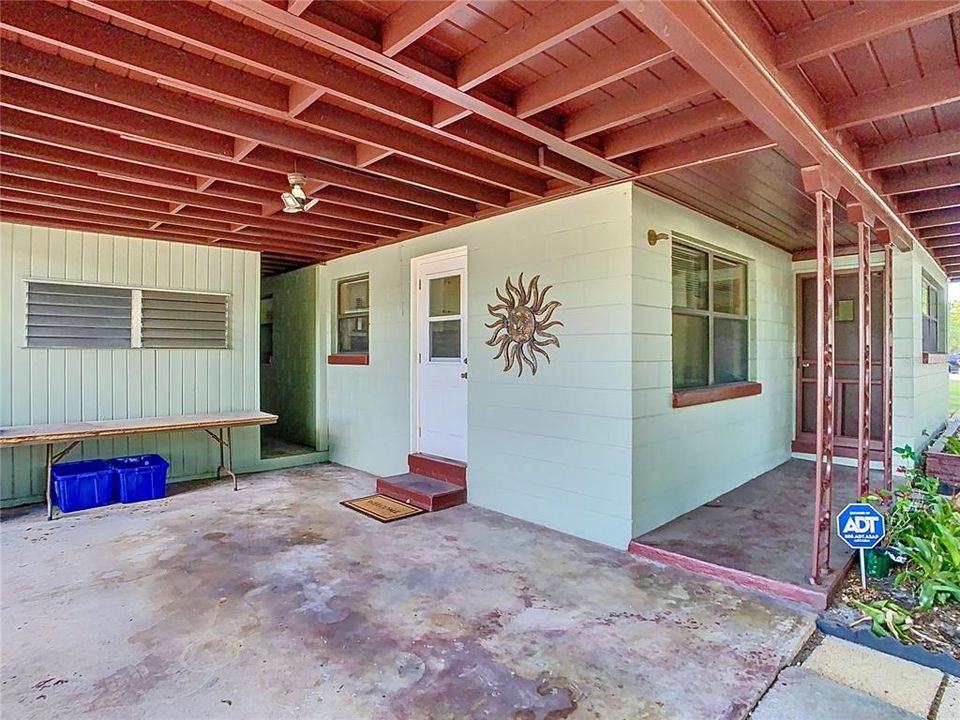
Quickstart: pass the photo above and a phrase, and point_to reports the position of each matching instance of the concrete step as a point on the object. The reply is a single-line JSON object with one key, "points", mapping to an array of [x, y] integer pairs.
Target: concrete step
{"points": [[421, 491], [438, 468]]}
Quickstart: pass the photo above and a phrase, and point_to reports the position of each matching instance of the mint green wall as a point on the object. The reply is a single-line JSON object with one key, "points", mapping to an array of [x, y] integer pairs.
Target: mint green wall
{"points": [[57, 385], [292, 386], [553, 449], [684, 457]]}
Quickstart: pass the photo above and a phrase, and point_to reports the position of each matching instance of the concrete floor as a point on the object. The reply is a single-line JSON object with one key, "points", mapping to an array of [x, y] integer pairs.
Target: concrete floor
{"points": [[276, 602], [764, 527]]}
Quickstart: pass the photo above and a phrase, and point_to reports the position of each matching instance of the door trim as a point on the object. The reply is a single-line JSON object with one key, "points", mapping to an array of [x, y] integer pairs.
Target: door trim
{"points": [[415, 264]]}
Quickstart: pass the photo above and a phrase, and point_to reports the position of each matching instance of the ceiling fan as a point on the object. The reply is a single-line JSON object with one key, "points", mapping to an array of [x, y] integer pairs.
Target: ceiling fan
{"points": [[296, 200]]}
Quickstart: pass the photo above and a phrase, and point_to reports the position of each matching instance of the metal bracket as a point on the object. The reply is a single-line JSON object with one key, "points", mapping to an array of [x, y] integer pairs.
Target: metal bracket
{"points": [[225, 445]]}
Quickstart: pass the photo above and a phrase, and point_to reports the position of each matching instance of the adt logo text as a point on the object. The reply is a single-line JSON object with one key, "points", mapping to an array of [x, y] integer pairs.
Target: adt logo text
{"points": [[860, 526]]}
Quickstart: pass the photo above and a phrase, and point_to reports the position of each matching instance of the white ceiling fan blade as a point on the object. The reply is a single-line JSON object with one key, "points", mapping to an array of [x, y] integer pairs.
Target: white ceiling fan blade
{"points": [[310, 203], [291, 204]]}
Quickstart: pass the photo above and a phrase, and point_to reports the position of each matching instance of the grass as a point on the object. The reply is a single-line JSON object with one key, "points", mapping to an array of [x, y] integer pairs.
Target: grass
{"points": [[954, 401]]}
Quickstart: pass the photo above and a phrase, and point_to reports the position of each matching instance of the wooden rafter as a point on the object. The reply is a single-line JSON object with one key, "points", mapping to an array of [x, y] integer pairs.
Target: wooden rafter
{"points": [[411, 21], [935, 89], [911, 150], [537, 33], [671, 128], [720, 146], [935, 218], [940, 232], [854, 25], [917, 180], [931, 200]]}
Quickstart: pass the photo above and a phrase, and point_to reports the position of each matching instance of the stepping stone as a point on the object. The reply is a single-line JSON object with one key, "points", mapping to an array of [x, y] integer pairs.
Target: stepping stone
{"points": [[801, 694], [896, 681]]}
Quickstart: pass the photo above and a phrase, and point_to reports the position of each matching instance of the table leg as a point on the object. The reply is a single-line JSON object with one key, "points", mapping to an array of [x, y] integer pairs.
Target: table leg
{"points": [[221, 465], [49, 481], [230, 458]]}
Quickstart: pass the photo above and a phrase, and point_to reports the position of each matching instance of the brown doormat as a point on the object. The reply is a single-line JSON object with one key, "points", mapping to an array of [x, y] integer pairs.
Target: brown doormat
{"points": [[382, 508]]}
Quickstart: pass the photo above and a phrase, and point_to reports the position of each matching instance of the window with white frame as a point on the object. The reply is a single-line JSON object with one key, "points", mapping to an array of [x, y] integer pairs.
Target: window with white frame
{"points": [[710, 320], [932, 312], [65, 315], [353, 316]]}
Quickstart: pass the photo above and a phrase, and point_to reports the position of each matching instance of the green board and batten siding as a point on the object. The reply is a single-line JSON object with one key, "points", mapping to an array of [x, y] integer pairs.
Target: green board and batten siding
{"points": [[67, 385]]}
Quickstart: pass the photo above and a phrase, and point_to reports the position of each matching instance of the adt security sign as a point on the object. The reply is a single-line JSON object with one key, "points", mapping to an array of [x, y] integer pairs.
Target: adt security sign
{"points": [[860, 526]]}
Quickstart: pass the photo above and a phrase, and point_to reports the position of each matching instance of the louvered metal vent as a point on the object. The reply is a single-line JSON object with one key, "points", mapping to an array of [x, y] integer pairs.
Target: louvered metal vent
{"points": [[183, 320], [78, 316]]}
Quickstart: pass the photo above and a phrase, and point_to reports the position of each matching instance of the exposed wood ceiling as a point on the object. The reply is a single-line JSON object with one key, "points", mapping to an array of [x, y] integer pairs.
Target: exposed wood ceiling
{"points": [[181, 120]]}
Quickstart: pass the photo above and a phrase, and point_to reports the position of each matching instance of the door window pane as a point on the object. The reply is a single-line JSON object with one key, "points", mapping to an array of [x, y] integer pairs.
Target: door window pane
{"points": [[445, 296], [691, 356], [730, 350], [445, 339], [690, 270], [729, 287]]}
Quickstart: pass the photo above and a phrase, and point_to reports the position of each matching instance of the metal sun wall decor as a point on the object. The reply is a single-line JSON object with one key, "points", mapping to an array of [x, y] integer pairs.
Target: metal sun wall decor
{"points": [[520, 324]]}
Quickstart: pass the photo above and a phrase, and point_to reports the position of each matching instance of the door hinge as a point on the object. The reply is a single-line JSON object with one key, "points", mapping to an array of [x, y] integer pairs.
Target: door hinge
{"points": [[419, 432], [419, 284], [419, 357]]}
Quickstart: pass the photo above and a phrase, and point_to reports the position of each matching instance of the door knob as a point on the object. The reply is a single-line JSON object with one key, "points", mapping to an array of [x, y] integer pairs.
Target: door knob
{"points": [[463, 375]]}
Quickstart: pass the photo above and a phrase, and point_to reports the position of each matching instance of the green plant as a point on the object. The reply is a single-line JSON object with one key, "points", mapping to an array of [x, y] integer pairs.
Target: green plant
{"points": [[952, 445], [925, 526], [888, 619]]}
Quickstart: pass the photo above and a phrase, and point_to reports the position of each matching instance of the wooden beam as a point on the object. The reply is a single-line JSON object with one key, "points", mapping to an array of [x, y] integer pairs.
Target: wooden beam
{"points": [[361, 128], [26, 202], [935, 218], [670, 128], [25, 63], [719, 146], [854, 25], [609, 65], [446, 113], [918, 179], [911, 150], [411, 21], [300, 97], [215, 33], [935, 89], [930, 200], [131, 228], [534, 35], [948, 241], [52, 104], [75, 31], [653, 97], [297, 225], [298, 7], [729, 45], [940, 231]]}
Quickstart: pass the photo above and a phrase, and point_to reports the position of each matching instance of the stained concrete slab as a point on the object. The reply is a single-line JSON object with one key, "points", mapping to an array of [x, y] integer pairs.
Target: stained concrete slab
{"points": [[896, 681], [950, 702], [276, 602], [763, 526], [802, 694]]}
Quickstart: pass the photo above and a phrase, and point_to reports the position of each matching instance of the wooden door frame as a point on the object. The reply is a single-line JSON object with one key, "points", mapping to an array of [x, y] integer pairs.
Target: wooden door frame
{"points": [[806, 442]]}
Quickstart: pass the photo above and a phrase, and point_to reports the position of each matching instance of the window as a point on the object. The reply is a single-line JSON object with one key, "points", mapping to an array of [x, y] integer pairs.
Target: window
{"points": [[353, 316], [931, 311], [710, 323], [99, 316]]}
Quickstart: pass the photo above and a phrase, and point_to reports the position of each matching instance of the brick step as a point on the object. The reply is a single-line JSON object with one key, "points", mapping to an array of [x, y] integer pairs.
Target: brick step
{"points": [[438, 468], [423, 492]]}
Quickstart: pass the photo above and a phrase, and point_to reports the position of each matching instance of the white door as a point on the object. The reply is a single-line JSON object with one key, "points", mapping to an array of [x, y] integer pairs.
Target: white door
{"points": [[441, 331]]}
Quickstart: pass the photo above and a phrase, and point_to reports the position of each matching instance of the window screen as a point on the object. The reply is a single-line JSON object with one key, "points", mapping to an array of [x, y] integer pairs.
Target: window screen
{"points": [[353, 316], [78, 316], [183, 320]]}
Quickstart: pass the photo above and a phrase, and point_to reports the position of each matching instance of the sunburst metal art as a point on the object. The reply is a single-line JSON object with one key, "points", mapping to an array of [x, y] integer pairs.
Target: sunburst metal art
{"points": [[521, 323]]}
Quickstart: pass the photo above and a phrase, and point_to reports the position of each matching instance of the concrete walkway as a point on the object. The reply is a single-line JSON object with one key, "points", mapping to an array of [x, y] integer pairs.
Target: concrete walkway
{"points": [[276, 602], [841, 680]]}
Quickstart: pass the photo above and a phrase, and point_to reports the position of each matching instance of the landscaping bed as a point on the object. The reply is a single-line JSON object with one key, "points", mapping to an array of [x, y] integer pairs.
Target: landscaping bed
{"points": [[910, 606], [943, 456]]}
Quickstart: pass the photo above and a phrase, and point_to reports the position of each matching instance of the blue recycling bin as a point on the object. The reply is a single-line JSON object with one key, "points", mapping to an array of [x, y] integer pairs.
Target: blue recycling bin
{"points": [[83, 484], [140, 477]]}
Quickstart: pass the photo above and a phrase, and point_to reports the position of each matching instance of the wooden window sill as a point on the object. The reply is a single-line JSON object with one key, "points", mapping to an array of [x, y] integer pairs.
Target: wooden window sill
{"points": [[348, 359], [715, 393]]}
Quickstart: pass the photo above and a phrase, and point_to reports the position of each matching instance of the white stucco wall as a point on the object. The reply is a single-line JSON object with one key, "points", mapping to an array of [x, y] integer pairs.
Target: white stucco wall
{"points": [[684, 457]]}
